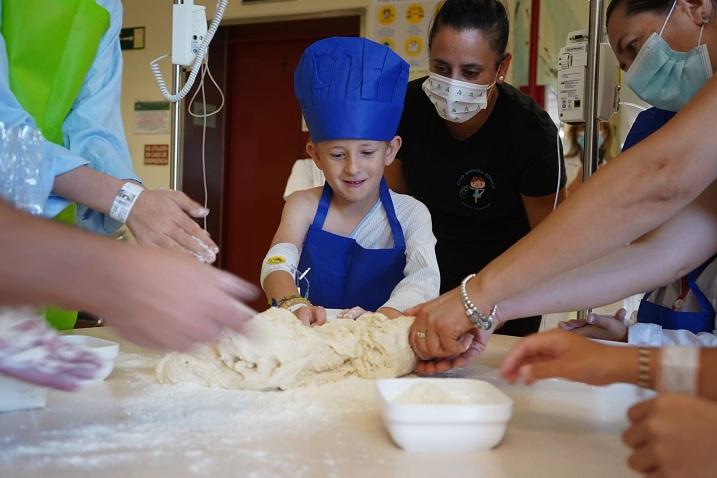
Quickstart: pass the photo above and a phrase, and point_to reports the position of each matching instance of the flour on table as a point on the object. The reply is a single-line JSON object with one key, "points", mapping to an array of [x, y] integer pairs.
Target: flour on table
{"points": [[276, 351], [427, 394]]}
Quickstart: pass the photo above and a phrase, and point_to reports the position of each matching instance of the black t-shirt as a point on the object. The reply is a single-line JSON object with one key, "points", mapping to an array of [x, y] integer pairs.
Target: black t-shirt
{"points": [[473, 188]]}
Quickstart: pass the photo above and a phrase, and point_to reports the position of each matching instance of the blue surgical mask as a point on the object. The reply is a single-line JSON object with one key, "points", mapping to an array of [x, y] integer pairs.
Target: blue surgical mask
{"points": [[580, 138], [666, 78]]}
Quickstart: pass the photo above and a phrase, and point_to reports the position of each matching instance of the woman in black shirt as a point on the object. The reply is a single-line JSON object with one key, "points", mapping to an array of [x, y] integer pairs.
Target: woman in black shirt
{"points": [[481, 155]]}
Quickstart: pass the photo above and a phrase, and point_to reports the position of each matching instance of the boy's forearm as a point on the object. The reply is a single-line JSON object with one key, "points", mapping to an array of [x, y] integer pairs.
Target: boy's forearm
{"points": [[279, 284]]}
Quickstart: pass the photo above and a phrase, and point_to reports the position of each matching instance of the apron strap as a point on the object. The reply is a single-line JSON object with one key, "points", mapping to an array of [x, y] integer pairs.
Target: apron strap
{"points": [[705, 304], [399, 240], [323, 209]]}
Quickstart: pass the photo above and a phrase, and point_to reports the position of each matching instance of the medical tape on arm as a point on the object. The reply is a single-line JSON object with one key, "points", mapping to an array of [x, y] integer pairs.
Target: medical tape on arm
{"points": [[281, 257]]}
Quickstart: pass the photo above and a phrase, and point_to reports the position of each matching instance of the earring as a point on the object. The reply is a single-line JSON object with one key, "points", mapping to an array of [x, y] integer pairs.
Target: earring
{"points": [[705, 19], [501, 77]]}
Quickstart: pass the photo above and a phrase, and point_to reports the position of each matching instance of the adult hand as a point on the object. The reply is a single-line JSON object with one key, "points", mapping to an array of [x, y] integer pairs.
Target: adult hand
{"points": [[442, 331], [602, 327], [161, 299], [311, 314], [161, 217], [673, 436], [561, 354], [477, 339], [32, 352]]}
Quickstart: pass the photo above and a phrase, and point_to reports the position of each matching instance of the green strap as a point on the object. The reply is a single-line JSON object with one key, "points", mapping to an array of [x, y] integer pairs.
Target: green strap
{"points": [[51, 45]]}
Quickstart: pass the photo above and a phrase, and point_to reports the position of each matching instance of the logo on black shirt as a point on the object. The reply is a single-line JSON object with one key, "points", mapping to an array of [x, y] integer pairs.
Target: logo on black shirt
{"points": [[475, 187]]}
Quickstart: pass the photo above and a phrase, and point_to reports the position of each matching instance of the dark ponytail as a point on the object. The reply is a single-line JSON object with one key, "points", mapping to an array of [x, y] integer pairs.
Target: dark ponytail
{"points": [[489, 16]]}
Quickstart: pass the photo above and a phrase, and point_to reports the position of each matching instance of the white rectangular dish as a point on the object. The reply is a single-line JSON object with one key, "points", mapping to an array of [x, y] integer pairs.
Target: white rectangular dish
{"points": [[17, 395], [448, 415]]}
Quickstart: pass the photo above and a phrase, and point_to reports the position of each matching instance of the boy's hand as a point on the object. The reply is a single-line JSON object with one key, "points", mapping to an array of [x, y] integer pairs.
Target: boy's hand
{"points": [[311, 314], [601, 327], [351, 314]]}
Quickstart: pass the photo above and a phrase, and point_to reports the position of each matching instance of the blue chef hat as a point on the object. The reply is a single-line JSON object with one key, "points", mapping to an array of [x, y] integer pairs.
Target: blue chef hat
{"points": [[351, 88]]}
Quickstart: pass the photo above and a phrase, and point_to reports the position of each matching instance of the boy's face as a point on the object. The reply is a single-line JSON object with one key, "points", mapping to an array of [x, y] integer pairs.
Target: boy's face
{"points": [[354, 168]]}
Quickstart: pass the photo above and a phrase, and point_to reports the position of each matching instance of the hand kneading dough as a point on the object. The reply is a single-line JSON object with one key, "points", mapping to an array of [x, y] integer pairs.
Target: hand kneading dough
{"points": [[275, 350]]}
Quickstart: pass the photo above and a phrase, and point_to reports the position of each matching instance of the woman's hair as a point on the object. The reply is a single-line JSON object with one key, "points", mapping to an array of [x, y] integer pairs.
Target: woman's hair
{"points": [[489, 16], [633, 7], [605, 152]]}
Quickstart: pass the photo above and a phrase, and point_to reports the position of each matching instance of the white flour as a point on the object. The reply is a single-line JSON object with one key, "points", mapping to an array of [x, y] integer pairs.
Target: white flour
{"points": [[192, 424], [427, 394]]}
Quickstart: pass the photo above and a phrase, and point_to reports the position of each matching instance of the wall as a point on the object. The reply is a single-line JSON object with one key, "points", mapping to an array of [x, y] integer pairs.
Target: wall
{"points": [[155, 16]]}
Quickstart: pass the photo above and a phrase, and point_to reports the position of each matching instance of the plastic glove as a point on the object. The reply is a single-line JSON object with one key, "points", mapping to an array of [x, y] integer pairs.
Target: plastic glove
{"points": [[33, 352]]}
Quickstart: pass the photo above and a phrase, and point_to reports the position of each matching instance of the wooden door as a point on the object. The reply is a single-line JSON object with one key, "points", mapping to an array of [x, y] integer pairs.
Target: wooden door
{"points": [[263, 132]]}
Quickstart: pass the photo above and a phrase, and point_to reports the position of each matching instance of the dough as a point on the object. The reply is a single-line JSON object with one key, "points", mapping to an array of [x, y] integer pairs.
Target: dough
{"points": [[276, 351]]}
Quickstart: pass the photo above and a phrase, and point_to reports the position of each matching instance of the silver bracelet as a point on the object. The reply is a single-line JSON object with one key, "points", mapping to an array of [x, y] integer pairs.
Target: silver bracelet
{"points": [[124, 201], [480, 320]]}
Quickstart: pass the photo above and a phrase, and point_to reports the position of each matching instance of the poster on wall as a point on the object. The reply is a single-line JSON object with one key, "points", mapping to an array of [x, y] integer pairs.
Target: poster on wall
{"points": [[403, 26]]}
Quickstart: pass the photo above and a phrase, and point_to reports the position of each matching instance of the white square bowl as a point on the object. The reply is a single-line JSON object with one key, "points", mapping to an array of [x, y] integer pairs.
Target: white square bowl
{"points": [[106, 349], [479, 424]]}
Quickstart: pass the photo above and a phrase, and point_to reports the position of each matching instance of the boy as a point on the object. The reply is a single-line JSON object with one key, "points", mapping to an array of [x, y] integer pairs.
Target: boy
{"points": [[352, 242]]}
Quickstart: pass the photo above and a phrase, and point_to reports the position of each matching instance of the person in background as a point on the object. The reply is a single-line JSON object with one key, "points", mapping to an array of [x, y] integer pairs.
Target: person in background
{"points": [[352, 242], [656, 186], [682, 312], [575, 135], [71, 92], [482, 156]]}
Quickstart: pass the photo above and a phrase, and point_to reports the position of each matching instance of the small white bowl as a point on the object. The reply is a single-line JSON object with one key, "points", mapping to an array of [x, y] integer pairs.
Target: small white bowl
{"points": [[477, 424], [106, 349]]}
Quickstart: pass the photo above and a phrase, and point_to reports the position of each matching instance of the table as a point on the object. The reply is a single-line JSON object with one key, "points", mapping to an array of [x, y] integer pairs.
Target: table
{"points": [[130, 425]]}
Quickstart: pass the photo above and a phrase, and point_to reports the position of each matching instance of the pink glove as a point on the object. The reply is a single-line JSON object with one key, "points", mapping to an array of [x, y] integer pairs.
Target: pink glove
{"points": [[32, 352]]}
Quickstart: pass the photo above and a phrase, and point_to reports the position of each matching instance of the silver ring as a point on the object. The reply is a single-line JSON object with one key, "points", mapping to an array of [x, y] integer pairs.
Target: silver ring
{"points": [[420, 334]]}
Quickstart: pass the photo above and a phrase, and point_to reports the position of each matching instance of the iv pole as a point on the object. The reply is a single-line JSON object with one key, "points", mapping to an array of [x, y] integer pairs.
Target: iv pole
{"points": [[592, 123], [177, 129]]}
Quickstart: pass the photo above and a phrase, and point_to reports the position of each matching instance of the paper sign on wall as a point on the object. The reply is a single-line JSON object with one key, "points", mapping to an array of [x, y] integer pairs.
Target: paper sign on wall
{"points": [[403, 25], [156, 154], [151, 117]]}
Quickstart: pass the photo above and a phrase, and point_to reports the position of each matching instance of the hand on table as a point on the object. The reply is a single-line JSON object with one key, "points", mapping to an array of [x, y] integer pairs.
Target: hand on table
{"points": [[564, 355], [601, 327], [311, 315], [161, 299], [442, 336], [673, 436], [162, 218], [32, 352]]}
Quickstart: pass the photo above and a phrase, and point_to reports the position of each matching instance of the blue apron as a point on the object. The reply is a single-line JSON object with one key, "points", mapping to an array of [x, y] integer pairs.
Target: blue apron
{"points": [[695, 322], [343, 274]]}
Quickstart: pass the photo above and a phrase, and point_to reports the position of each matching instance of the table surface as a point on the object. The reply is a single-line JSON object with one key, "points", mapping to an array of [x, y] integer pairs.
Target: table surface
{"points": [[130, 425]]}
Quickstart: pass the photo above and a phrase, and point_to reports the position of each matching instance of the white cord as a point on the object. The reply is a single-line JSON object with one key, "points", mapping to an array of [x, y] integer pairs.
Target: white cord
{"points": [[634, 105], [198, 59], [205, 71], [560, 172]]}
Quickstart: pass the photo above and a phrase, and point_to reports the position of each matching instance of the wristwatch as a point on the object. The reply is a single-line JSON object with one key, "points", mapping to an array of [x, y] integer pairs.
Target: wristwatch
{"points": [[480, 320]]}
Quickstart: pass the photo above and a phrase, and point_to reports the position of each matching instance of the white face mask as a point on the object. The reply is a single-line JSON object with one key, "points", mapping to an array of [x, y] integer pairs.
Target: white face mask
{"points": [[456, 101]]}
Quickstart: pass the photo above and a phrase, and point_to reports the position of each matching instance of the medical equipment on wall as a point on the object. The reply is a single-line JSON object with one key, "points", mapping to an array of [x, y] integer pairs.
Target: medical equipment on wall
{"points": [[572, 80], [190, 49]]}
